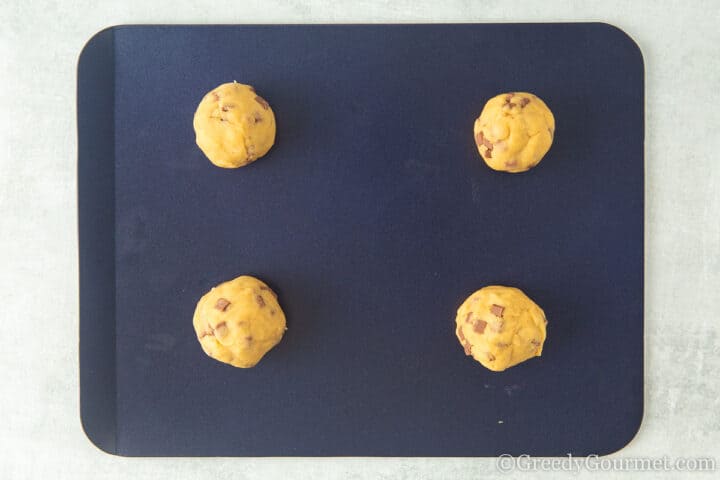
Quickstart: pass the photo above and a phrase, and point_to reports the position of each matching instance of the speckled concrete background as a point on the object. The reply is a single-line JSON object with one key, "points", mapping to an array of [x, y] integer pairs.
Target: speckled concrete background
{"points": [[39, 45]]}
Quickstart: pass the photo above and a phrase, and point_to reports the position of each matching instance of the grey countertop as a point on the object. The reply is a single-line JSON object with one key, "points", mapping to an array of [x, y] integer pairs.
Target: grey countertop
{"points": [[39, 45]]}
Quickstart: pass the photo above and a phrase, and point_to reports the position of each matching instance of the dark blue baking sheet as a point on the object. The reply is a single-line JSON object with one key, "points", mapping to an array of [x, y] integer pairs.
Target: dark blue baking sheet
{"points": [[373, 217]]}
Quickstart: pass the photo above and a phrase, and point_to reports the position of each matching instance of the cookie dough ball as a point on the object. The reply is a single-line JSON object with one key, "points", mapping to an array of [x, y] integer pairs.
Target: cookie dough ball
{"points": [[234, 126], [514, 131], [239, 321], [500, 327]]}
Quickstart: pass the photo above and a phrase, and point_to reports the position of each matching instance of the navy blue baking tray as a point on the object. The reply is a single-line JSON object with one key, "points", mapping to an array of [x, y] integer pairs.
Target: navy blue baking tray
{"points": [[373, 217]]}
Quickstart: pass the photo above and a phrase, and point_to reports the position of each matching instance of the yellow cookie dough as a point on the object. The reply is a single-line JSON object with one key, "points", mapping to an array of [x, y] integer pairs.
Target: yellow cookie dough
{"points": [[514, 131], [234, 126], [500, 327], [239, 321]]}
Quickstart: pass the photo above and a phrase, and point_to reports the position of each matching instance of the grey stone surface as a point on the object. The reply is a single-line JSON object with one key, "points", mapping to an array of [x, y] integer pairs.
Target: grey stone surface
{"points": [[39, 45]]}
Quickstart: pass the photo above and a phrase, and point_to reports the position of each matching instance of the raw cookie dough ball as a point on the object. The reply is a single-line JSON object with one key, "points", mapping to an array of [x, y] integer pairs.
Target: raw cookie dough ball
{"points": [[239, 321], [234, 126], [500, 327], [514, 131]]}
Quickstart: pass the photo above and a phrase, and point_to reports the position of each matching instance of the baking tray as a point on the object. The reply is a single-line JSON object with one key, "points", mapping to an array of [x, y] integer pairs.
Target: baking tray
{"points": [[373, 217]]}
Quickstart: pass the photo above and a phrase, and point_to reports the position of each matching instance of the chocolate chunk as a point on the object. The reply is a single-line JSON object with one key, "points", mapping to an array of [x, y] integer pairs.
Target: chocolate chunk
{"points": [[260, 300], [267, 289], [222, 304], [249, 338], [509, 96], [482, 140], [497, 310], [257, 118], [535, 342], [466, 345], [262, 102], [468, 317], [490, 357], [524, 102], [488, 153], [216, 97], [510, 104], [479, 326]]}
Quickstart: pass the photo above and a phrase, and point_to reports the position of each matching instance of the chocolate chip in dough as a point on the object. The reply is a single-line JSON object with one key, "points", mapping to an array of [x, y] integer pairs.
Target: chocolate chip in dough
{"points": [[479, 326], [497, 310], [222, 304]]}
